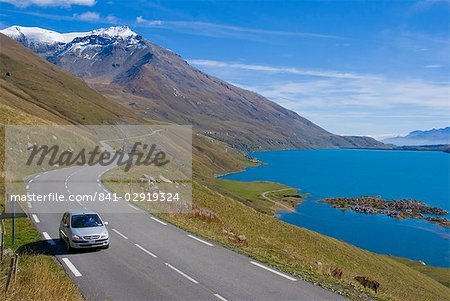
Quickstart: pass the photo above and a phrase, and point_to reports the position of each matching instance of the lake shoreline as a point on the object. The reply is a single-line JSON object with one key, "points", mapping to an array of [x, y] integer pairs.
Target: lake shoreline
{"points": [[337, 172]]}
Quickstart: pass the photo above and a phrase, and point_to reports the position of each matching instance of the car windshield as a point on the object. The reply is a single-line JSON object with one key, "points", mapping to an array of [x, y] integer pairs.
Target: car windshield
{"points": [[86, 220]]}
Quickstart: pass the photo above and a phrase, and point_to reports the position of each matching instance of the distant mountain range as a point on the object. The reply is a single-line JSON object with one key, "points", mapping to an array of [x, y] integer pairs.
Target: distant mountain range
{"points": [[158, 84], [430, 137]]}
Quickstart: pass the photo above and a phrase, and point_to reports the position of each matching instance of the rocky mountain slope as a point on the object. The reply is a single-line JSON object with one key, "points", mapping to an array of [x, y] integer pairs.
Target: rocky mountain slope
{"points": [[159, 84], [34, 86], [31, 86]]}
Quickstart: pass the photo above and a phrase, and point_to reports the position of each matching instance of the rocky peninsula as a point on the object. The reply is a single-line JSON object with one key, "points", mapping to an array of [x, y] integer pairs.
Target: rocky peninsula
{"points": [[399, 209]]}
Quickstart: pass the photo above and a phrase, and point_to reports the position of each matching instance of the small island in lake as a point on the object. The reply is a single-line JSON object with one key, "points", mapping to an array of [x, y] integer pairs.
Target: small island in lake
{"points": [[400, 209]]}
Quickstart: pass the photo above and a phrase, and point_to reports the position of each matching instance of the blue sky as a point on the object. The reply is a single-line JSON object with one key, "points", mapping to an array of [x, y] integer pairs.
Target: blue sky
{"points": [[353, 67]]}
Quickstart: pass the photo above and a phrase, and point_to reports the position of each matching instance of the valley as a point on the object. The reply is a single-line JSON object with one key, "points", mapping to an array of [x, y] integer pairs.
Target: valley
{"points": [[118, 77]]}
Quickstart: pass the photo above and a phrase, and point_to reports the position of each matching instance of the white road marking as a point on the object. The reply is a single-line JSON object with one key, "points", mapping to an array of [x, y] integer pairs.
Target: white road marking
{"points": [[48, 238], [37, 177], [120, 233], [29, 205], [181, 273], [159, 221], [134, 207], [200, 240], [220, 297], [99, 185], [30, 181], [66, 183], [36, 219], [273, 271], [28, 187], [44, 173], [105, 190], [146, 251], [71, 267]]}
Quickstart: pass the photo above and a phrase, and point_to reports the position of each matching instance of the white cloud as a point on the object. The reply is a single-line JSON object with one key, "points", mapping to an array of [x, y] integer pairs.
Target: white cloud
{"points": [[83, 17], [45, 3], [111, 19], [286, 70], [225, 30], [423, 5], [433, 66], [360, 93], [87, 16], [139, 19], [341, 102]]}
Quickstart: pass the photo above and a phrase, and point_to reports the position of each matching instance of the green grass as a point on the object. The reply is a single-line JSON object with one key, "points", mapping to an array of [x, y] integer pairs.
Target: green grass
{"points": [[39, 277], [296, 250], [441, 275], [25, 233], [250, 193]]}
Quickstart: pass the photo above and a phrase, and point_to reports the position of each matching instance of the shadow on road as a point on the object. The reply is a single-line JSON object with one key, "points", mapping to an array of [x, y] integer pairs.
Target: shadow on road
{"points": [[45, 248]]}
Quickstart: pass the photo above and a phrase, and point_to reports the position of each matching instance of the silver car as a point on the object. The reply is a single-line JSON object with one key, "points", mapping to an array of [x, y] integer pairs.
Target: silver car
{"points": [[83, 229]]}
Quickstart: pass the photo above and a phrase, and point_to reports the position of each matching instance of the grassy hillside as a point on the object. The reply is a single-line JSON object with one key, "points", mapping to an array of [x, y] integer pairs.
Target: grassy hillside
{"points": [[29, 96], [295, 250], [32, 85], [441, 275], [265, 197], [298, 251], [43, 90], [34, 92]]}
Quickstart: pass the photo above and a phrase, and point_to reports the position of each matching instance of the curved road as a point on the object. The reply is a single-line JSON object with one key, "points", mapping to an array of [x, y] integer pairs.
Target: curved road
{"points": [[152, 260]]}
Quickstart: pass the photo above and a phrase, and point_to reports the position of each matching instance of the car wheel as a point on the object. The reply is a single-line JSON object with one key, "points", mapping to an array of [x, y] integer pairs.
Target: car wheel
{"points": [[68, 247]]}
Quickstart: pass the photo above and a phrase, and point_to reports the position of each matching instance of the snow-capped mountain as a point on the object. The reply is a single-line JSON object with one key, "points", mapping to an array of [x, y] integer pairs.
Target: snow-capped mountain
{"points": [[160, 85], [36, 35], [88, 54], [41, 41]]}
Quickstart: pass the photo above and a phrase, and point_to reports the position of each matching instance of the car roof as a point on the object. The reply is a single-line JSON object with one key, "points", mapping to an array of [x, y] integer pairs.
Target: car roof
{"points": [[80, 211]]}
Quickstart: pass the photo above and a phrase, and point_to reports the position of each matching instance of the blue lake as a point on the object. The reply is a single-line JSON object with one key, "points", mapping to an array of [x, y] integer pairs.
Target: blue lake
{"points": [[423, 176]]}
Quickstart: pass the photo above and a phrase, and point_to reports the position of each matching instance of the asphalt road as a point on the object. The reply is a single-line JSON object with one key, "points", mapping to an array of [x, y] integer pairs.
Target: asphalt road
{"points": [[149, 259]]}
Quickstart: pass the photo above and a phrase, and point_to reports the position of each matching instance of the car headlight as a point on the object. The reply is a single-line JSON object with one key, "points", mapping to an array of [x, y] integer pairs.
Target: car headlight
{"points": [[76, 237], [105, 235]]}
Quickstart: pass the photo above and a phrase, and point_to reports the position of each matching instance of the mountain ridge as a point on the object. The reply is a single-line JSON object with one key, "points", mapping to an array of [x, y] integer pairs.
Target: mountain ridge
{"points": [[422, 137], [158, 84]]}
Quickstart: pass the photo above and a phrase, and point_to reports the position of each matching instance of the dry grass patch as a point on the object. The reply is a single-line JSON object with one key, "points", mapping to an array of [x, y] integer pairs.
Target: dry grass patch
{"points": [[39, 277]]}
